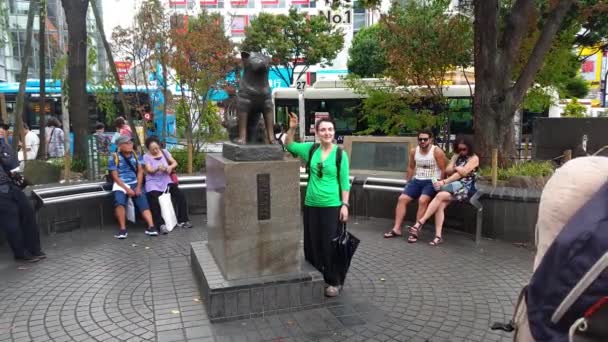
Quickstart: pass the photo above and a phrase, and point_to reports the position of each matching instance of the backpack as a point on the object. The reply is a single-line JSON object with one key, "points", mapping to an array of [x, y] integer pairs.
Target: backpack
{"points": [[109, 178], [339, 152]]}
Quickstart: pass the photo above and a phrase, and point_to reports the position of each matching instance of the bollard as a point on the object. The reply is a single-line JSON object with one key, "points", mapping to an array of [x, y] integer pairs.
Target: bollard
{"points": [[494, 167]]}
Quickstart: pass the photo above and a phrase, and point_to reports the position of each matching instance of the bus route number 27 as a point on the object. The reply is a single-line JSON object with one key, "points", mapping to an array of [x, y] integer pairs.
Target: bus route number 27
{"points": [[301, 85]]}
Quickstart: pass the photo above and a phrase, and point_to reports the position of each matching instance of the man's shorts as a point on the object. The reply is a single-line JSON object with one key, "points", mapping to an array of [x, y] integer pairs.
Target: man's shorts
{"points": [[418, 187], [121, 198]]}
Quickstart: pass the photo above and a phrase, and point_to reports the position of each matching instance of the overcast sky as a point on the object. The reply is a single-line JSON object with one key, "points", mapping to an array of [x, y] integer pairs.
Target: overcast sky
{"points": [[117, 13]]}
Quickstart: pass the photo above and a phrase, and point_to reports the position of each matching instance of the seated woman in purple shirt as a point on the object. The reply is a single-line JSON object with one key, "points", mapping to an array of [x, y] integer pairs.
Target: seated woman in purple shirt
{"points": [[159, 165]]}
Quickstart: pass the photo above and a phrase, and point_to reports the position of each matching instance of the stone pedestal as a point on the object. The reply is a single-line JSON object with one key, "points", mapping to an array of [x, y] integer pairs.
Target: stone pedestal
{"points": [[253, 215], [252, 263]]}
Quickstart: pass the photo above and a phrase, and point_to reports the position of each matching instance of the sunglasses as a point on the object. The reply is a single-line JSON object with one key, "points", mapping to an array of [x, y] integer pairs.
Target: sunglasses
{"points": [[423, 139], [320, 170], [463, 149]]}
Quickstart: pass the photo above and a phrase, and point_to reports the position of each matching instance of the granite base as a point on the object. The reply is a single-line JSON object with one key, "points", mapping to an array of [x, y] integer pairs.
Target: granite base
{"points": [[235, 152], [228, 300]]}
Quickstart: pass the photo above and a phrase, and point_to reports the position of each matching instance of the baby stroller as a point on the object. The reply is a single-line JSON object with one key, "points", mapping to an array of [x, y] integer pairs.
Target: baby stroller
{"points": [[567, 296]]}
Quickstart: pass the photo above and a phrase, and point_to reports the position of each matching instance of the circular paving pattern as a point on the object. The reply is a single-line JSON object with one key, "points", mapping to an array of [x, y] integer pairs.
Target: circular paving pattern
{"points": [[96, 288]]}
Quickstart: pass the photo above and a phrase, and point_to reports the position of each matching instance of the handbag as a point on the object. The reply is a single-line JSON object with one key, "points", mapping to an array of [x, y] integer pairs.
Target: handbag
{"points": [[166, 210], [130, 210], [173, 175]]}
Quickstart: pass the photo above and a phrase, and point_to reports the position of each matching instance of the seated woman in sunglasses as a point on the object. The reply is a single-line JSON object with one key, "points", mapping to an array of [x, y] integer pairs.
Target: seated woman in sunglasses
{"points": [[459, 186], [326, 201]]}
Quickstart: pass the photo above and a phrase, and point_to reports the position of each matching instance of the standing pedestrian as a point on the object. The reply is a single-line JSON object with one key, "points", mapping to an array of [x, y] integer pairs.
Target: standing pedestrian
{"points": [[55, 139], [326, 202]]}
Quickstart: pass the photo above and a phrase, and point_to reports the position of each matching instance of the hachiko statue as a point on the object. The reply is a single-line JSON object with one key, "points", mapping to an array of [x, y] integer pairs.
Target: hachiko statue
{"points": [[254, 98]]}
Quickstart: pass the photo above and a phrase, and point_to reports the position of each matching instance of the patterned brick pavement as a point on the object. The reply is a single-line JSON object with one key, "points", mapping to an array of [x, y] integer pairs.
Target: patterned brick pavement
{"points": [[96, 288]]}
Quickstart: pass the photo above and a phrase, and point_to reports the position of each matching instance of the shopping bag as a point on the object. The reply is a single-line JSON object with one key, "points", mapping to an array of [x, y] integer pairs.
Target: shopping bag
{"points": [[130, 210], [167, 211], [344, 246]]}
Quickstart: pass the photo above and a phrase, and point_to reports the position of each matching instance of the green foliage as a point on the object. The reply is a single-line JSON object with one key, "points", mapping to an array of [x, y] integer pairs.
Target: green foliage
{"points": [[77, 165], [424, 42], [395, 113], [294, 39], [529, 169], [576, 87], [537, 100], [104, 97], [181, 157], [366, 56], [574, 109]]}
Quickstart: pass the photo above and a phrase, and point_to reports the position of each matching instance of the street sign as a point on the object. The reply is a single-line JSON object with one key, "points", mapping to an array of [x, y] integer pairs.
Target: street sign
{"points": [[93, 158]]}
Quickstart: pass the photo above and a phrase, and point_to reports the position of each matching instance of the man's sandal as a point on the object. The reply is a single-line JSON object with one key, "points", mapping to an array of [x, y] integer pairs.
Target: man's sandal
{"points": [[391, 234], [436, 241]]}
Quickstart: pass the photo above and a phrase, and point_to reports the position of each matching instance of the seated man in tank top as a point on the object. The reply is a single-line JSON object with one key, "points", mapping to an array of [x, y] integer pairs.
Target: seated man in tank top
{"points": [[426, 162]]}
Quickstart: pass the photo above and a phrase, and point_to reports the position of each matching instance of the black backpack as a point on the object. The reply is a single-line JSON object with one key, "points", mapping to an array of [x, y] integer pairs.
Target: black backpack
{"points": [[339, 152]]}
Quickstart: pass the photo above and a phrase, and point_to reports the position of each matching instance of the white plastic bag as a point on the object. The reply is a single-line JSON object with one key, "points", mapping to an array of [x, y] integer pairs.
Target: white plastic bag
{"points": [[167, 211], [130, 210]]}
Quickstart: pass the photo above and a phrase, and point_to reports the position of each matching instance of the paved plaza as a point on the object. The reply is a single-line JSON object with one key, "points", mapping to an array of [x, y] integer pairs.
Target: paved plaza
{"points": [[96, 288]]}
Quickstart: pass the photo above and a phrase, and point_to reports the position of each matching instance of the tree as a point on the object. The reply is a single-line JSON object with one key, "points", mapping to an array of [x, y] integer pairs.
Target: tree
{"points": [[108, 50], [202, 59], [423, 43], [499, 90], [366, 55], [76, 17], [18, 133], [154, 26], [42, 52], [294, 40]]}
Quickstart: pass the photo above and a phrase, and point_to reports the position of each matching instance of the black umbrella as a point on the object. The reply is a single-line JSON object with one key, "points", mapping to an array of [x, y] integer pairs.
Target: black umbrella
{"points": [[344, 246]]}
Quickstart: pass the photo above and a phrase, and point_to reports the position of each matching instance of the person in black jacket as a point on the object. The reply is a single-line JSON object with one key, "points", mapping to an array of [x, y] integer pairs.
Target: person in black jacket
{"points": [[16, 212]]}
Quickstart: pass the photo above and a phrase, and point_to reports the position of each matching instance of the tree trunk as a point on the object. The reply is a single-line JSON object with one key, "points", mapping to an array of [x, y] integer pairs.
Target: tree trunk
{"points": [[121, 95], [493, 126], [164, 130], [42, 52], [25, 63], [496, 97], [76, 15]]}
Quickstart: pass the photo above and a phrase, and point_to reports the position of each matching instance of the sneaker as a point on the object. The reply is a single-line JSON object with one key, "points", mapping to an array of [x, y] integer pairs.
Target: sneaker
{"points": [[152, 232], [122, 234], [186, 224], [27, 258], [163, 229], [40, 255], [332, 291]]}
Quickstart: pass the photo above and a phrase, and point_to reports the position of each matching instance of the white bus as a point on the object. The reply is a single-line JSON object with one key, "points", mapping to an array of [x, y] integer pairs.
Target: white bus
{"points": [[343, 104]]}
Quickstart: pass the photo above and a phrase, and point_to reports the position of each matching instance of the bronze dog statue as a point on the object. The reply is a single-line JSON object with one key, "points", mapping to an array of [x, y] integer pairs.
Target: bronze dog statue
{"points": [[254, 98]]}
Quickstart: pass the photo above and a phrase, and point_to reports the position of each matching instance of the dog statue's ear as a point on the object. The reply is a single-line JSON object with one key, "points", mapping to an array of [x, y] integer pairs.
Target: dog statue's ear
{"points": [[244, 55]]}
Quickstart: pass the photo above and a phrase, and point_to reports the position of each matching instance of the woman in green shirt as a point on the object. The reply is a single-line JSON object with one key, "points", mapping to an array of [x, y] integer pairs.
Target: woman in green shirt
{"points": [[326, 201]]}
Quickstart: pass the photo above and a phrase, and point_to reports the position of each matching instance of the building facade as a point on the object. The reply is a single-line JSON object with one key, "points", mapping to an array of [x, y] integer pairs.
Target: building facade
{"points": [[56, 36]]}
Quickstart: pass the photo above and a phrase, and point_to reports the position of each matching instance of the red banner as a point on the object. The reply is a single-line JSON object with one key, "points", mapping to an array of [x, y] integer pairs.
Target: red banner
{"points": [[122, 67]]}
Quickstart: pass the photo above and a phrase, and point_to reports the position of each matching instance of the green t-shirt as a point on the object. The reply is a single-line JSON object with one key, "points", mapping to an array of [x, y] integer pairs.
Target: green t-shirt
{"points": [[323, 191]]}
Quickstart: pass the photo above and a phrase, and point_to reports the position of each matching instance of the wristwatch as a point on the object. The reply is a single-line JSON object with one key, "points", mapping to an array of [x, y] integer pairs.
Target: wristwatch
{"points": [[346, 204]]}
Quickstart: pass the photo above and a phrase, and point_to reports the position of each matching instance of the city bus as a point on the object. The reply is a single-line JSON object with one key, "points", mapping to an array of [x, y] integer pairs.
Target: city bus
{"points": [[151, 101], [334, 98]]}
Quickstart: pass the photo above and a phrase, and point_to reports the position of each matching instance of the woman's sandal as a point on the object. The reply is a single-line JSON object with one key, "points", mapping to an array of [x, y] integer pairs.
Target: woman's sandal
{"points": [[414, 232], [391, 234], [436, 241]]}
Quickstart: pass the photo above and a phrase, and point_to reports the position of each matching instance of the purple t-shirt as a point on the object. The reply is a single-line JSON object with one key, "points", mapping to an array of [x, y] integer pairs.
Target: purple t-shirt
{"points": [[159, 180]]}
